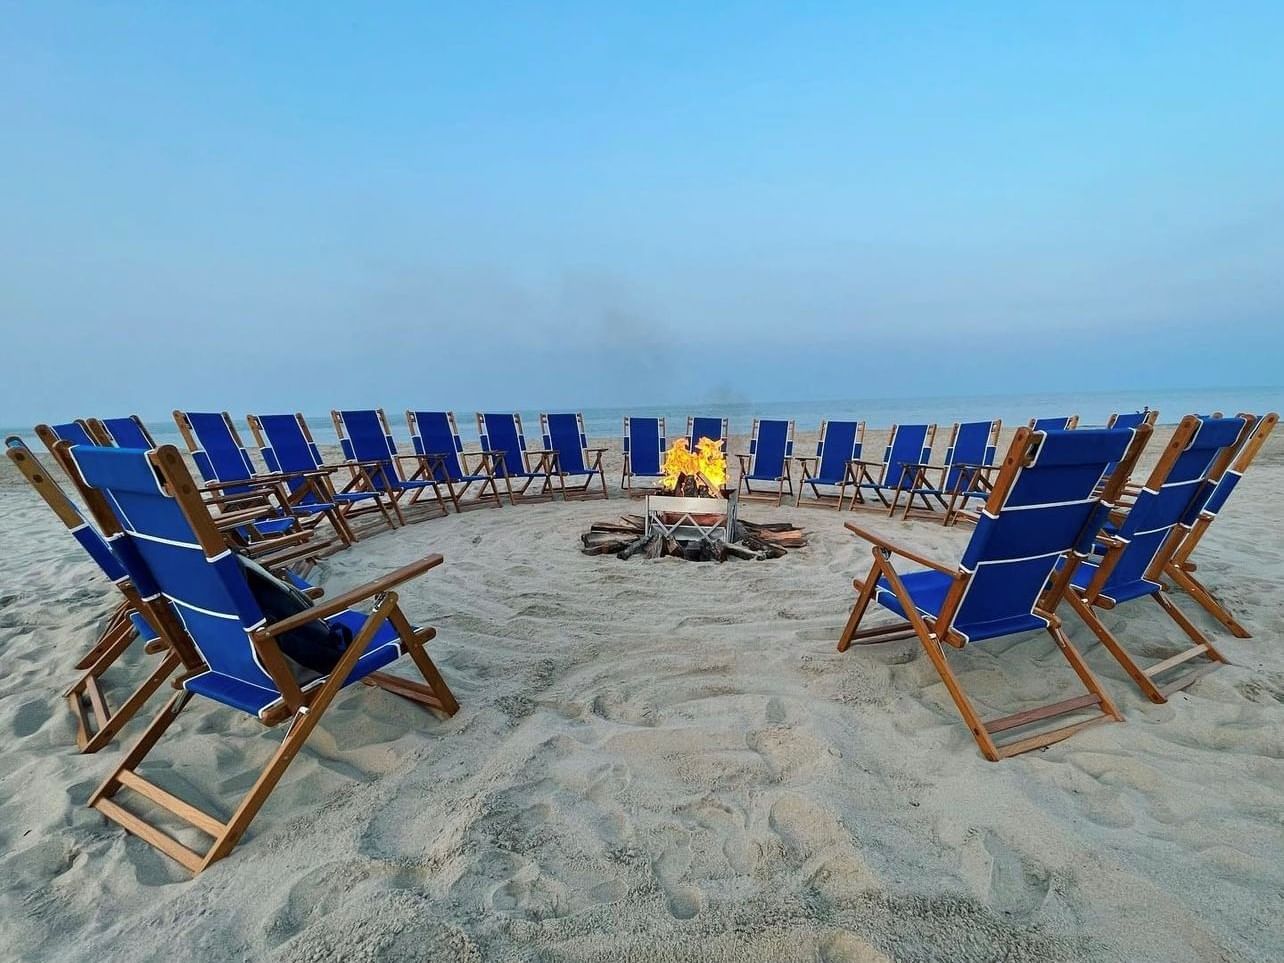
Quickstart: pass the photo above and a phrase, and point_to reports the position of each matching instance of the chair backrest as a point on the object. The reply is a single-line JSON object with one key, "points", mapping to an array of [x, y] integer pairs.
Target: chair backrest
{"points": [[907, 445], [1048, 500], [1222, 486], [1065, 423], [126, 432], [564, 434], [285, 443], [76, 432], [771, 445], [82, 531], [715, 429], [436, 433], [216, 447], [971, 443], [502, 432], [644, 445], [170, 546], [1131, 419], [839, 443], [1168, 504], [364, 436]]}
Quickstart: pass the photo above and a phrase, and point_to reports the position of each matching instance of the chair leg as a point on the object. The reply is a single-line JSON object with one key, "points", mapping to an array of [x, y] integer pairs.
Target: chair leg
{"points": [[1199, 592], [864, 596], [118, 624], [111, 723], [1103, 634]]}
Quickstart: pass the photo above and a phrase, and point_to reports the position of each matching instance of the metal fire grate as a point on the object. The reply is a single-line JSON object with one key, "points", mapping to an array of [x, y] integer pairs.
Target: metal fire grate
{"points": [[692, 519]]}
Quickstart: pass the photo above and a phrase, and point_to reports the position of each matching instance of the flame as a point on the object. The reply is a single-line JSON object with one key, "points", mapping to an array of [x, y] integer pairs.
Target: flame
{"points": [[707, 463]]}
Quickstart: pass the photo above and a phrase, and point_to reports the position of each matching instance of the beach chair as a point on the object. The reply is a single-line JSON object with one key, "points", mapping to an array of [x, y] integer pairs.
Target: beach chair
{"points": [[839, 444], [223, 461], [565, 437], [1143, 542], [1179, 567], [963, 474], [287, 447], [1046, 505], [501, 433], [908, 446], [372, 458], [435, 437], [76, 432], [715, 429], [645, 443], [1067, 423], [771, 446], [126, 432], [169, 539], [1131, 419], [97, 722]]}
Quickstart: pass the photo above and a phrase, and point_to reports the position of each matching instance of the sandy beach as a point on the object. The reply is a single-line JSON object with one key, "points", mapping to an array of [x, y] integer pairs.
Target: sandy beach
{"points": [[660, 760]]}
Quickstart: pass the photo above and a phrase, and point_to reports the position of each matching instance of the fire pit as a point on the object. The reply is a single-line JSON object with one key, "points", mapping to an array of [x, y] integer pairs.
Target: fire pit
{"points": [[692, 516]]}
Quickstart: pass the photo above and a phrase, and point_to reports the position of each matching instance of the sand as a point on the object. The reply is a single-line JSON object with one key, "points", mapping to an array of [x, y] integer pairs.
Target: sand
{"points": [[659, 760]]}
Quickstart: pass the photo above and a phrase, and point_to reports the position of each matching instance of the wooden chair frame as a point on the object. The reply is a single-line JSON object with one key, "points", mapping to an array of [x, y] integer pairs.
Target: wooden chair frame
{"points": [[1181, 570], [808, 465], [933, 633], [1086, 601], [543, 470], [591, 457], [626, 473], [320, 481], [303, 709], [430, 464], [364, 473], [784, 481], [97, 723]]}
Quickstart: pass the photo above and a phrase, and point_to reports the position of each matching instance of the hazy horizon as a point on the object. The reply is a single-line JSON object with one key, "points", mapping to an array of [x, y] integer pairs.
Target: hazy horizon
{"points": [[289, 208]]}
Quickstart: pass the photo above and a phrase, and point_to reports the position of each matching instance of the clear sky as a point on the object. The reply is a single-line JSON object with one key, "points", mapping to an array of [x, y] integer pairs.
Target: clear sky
{"points": [[285, 206]]}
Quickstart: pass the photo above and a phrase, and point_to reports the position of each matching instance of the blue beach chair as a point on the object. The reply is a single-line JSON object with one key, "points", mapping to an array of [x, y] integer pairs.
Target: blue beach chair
{"points": [[565, 437], [840, 443], [908, 447], [171, 547], [963, 474], [96, 722], [645, 443], [1131, 419], [501, 434], [76, 432], [372, 458], [1180, 568], [126, 432], [230, 475], [771, 446], [1145, 540], [715, 429], [287, 447], [1066, 423], [1046, 505], [435, 437]]}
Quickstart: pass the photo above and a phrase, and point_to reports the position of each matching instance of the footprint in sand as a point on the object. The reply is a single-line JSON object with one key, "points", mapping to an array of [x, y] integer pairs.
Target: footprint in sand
{"points": [[1016, 884], [683, 900]]}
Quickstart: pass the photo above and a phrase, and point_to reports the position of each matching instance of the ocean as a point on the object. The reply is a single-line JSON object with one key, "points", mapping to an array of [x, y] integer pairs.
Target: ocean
{"points": [[1014, 409]]}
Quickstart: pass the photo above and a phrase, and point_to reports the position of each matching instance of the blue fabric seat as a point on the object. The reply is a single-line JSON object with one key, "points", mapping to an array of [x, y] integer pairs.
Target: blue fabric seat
{"points": [[771, 447], [644, 445], [564, 436], [129, 432], [927, 590], [703, 426]]}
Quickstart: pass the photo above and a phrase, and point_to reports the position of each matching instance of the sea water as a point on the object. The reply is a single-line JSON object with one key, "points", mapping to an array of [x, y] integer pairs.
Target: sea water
{"points": [[1093, 408]]}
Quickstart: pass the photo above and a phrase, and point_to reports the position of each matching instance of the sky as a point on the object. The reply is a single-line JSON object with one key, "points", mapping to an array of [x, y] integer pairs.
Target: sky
{"points": [[304, 206]]}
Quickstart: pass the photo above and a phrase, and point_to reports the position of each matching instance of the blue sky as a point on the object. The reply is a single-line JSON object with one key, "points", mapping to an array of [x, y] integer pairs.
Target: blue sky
{"points": [[226, 205]]}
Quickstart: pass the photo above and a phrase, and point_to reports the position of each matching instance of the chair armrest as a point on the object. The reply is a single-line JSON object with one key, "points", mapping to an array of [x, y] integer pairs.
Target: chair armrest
{"points": [[804, 459], [887, 546], [340, 603]]}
